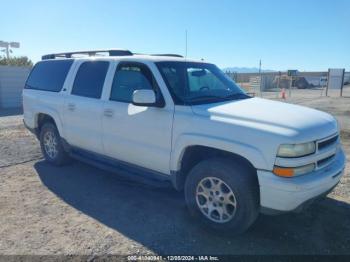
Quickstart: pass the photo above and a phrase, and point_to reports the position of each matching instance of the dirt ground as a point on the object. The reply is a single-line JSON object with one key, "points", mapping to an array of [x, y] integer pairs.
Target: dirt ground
{"points": [[82, 210]]}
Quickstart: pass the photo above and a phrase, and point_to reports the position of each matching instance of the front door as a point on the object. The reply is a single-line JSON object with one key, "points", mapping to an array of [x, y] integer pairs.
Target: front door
{"points": [[140, 135]]}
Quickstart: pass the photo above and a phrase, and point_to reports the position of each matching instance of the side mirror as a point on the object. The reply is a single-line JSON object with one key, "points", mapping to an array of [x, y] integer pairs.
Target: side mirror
{"points": [[144, 97]]}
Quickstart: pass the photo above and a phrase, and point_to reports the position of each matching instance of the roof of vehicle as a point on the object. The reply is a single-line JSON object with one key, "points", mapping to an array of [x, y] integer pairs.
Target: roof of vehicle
{"points": [[116, 54], [141, 57]]}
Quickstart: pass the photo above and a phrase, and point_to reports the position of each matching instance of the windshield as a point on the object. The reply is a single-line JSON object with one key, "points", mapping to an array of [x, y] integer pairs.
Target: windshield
{"points": [[198, 83]]}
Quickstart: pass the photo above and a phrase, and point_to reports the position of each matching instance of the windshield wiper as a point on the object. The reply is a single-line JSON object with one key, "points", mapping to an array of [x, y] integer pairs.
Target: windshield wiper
{"points": [[213, 99], [237, 96], [204, 98]]}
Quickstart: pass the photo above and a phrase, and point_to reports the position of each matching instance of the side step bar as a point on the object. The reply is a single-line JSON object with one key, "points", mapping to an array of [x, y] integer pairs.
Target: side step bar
{"points": [[136, 174]]}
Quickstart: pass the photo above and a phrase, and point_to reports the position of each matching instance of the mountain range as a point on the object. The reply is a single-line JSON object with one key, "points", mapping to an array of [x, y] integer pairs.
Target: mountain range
{"points": [[245, 69]]}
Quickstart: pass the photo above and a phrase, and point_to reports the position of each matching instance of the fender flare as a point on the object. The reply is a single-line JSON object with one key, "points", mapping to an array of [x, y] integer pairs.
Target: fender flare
{"points": [[52, 113], [249, 152]]}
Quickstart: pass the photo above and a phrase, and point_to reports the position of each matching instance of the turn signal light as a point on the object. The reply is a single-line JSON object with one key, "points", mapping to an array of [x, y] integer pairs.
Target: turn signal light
{"points": [[293, 171], [285, 172]]}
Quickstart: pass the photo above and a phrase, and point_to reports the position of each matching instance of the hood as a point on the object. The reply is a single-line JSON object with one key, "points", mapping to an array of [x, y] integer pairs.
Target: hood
{"points": [[296, 122]]}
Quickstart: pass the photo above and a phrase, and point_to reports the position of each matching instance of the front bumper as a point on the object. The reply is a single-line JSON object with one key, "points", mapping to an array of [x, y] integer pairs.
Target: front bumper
{"points": [[288, 194]]}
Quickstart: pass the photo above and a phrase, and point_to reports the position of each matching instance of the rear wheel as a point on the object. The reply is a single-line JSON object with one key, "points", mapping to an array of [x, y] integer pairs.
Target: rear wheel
{"points": [[51, 145], [223, 195]]}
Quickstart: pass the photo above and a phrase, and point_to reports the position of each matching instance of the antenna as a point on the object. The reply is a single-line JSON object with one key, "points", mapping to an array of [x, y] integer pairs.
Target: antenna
{"points": [[186, 43]]}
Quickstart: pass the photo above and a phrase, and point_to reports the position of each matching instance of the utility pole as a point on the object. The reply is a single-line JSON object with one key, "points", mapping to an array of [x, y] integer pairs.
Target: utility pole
{"points": [[8, 52], [8, 46], [260, 77]]}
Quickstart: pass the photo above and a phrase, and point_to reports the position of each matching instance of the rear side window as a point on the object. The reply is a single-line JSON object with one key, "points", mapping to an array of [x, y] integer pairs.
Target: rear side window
{"points": [[49, 75], [90, 79]]}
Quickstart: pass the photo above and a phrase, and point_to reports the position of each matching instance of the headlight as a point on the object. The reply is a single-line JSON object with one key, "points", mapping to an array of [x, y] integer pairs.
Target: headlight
{"points": [[296, 150]]}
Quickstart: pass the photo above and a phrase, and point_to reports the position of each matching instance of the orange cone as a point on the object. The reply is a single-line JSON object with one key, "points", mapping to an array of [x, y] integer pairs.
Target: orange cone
{"points": [[283, 93]]}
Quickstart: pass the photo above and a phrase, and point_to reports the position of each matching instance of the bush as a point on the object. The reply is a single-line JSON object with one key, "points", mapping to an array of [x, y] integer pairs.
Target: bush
{"points": [[16, 61]]}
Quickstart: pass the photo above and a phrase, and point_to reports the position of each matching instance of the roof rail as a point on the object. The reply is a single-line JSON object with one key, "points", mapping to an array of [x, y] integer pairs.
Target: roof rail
{"points": [[174, 55], [111, 52]]}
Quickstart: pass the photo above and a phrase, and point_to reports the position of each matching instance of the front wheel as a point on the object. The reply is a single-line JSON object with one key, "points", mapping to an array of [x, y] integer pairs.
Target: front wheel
{"points": [[51, 145], [222, 195]]}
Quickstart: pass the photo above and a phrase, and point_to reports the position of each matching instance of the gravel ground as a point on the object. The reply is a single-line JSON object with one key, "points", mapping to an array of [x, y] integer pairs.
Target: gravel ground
{"points": [[17, 145], [81, 210]]}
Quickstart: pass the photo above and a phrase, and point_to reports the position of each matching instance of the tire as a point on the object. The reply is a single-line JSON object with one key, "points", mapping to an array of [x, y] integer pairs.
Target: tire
{"points": [[230, 177], [53, 151]]}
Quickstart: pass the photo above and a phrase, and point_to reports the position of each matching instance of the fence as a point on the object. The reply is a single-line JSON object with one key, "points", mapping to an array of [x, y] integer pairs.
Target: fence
{"points": [[12, 80], [274, 84]]}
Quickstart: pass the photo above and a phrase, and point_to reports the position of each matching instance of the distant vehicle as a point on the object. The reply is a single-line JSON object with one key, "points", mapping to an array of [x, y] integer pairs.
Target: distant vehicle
{"points": [[184, 121], [301, 83]]}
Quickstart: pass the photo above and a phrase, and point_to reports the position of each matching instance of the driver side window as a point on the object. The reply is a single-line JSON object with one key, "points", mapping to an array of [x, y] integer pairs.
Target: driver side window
{"points": [[128, 78]]}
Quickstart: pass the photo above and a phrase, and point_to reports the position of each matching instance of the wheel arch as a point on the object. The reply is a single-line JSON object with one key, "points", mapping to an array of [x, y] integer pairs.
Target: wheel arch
{"points": [[188, 155], [44, 116]]}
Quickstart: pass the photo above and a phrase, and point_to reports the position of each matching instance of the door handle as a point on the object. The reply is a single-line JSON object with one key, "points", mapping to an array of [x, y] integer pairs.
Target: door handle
{"points": [[71, 106], [108, 112]]}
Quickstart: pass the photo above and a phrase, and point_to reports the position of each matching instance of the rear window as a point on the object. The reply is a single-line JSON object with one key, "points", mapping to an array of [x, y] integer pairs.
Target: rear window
{"points": [[90, 79], [49, 75]]}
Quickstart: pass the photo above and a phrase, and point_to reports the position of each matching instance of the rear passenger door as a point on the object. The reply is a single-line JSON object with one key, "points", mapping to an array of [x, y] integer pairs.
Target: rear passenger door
{"points": [[140, 135], [83, 107]]}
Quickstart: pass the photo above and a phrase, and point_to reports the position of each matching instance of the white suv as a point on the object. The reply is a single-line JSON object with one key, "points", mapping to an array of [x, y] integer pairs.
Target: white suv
{"points": [[180, 120]]}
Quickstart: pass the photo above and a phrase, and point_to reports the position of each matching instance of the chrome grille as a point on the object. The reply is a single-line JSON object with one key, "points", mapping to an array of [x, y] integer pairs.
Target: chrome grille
{"points": [[324, 162], [327, 146], [325, 143]]}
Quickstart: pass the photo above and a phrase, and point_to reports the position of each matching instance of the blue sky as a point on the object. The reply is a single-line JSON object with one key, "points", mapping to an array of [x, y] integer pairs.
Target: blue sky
{"points": [[305, 35]]}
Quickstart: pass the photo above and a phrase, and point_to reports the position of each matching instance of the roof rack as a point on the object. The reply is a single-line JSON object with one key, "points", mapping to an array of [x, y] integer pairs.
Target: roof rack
{"points": [[111, 52], [174, 55]]}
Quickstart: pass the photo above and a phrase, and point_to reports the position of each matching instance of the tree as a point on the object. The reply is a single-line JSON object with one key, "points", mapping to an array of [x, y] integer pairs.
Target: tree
{"points": [[16, 61]]}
